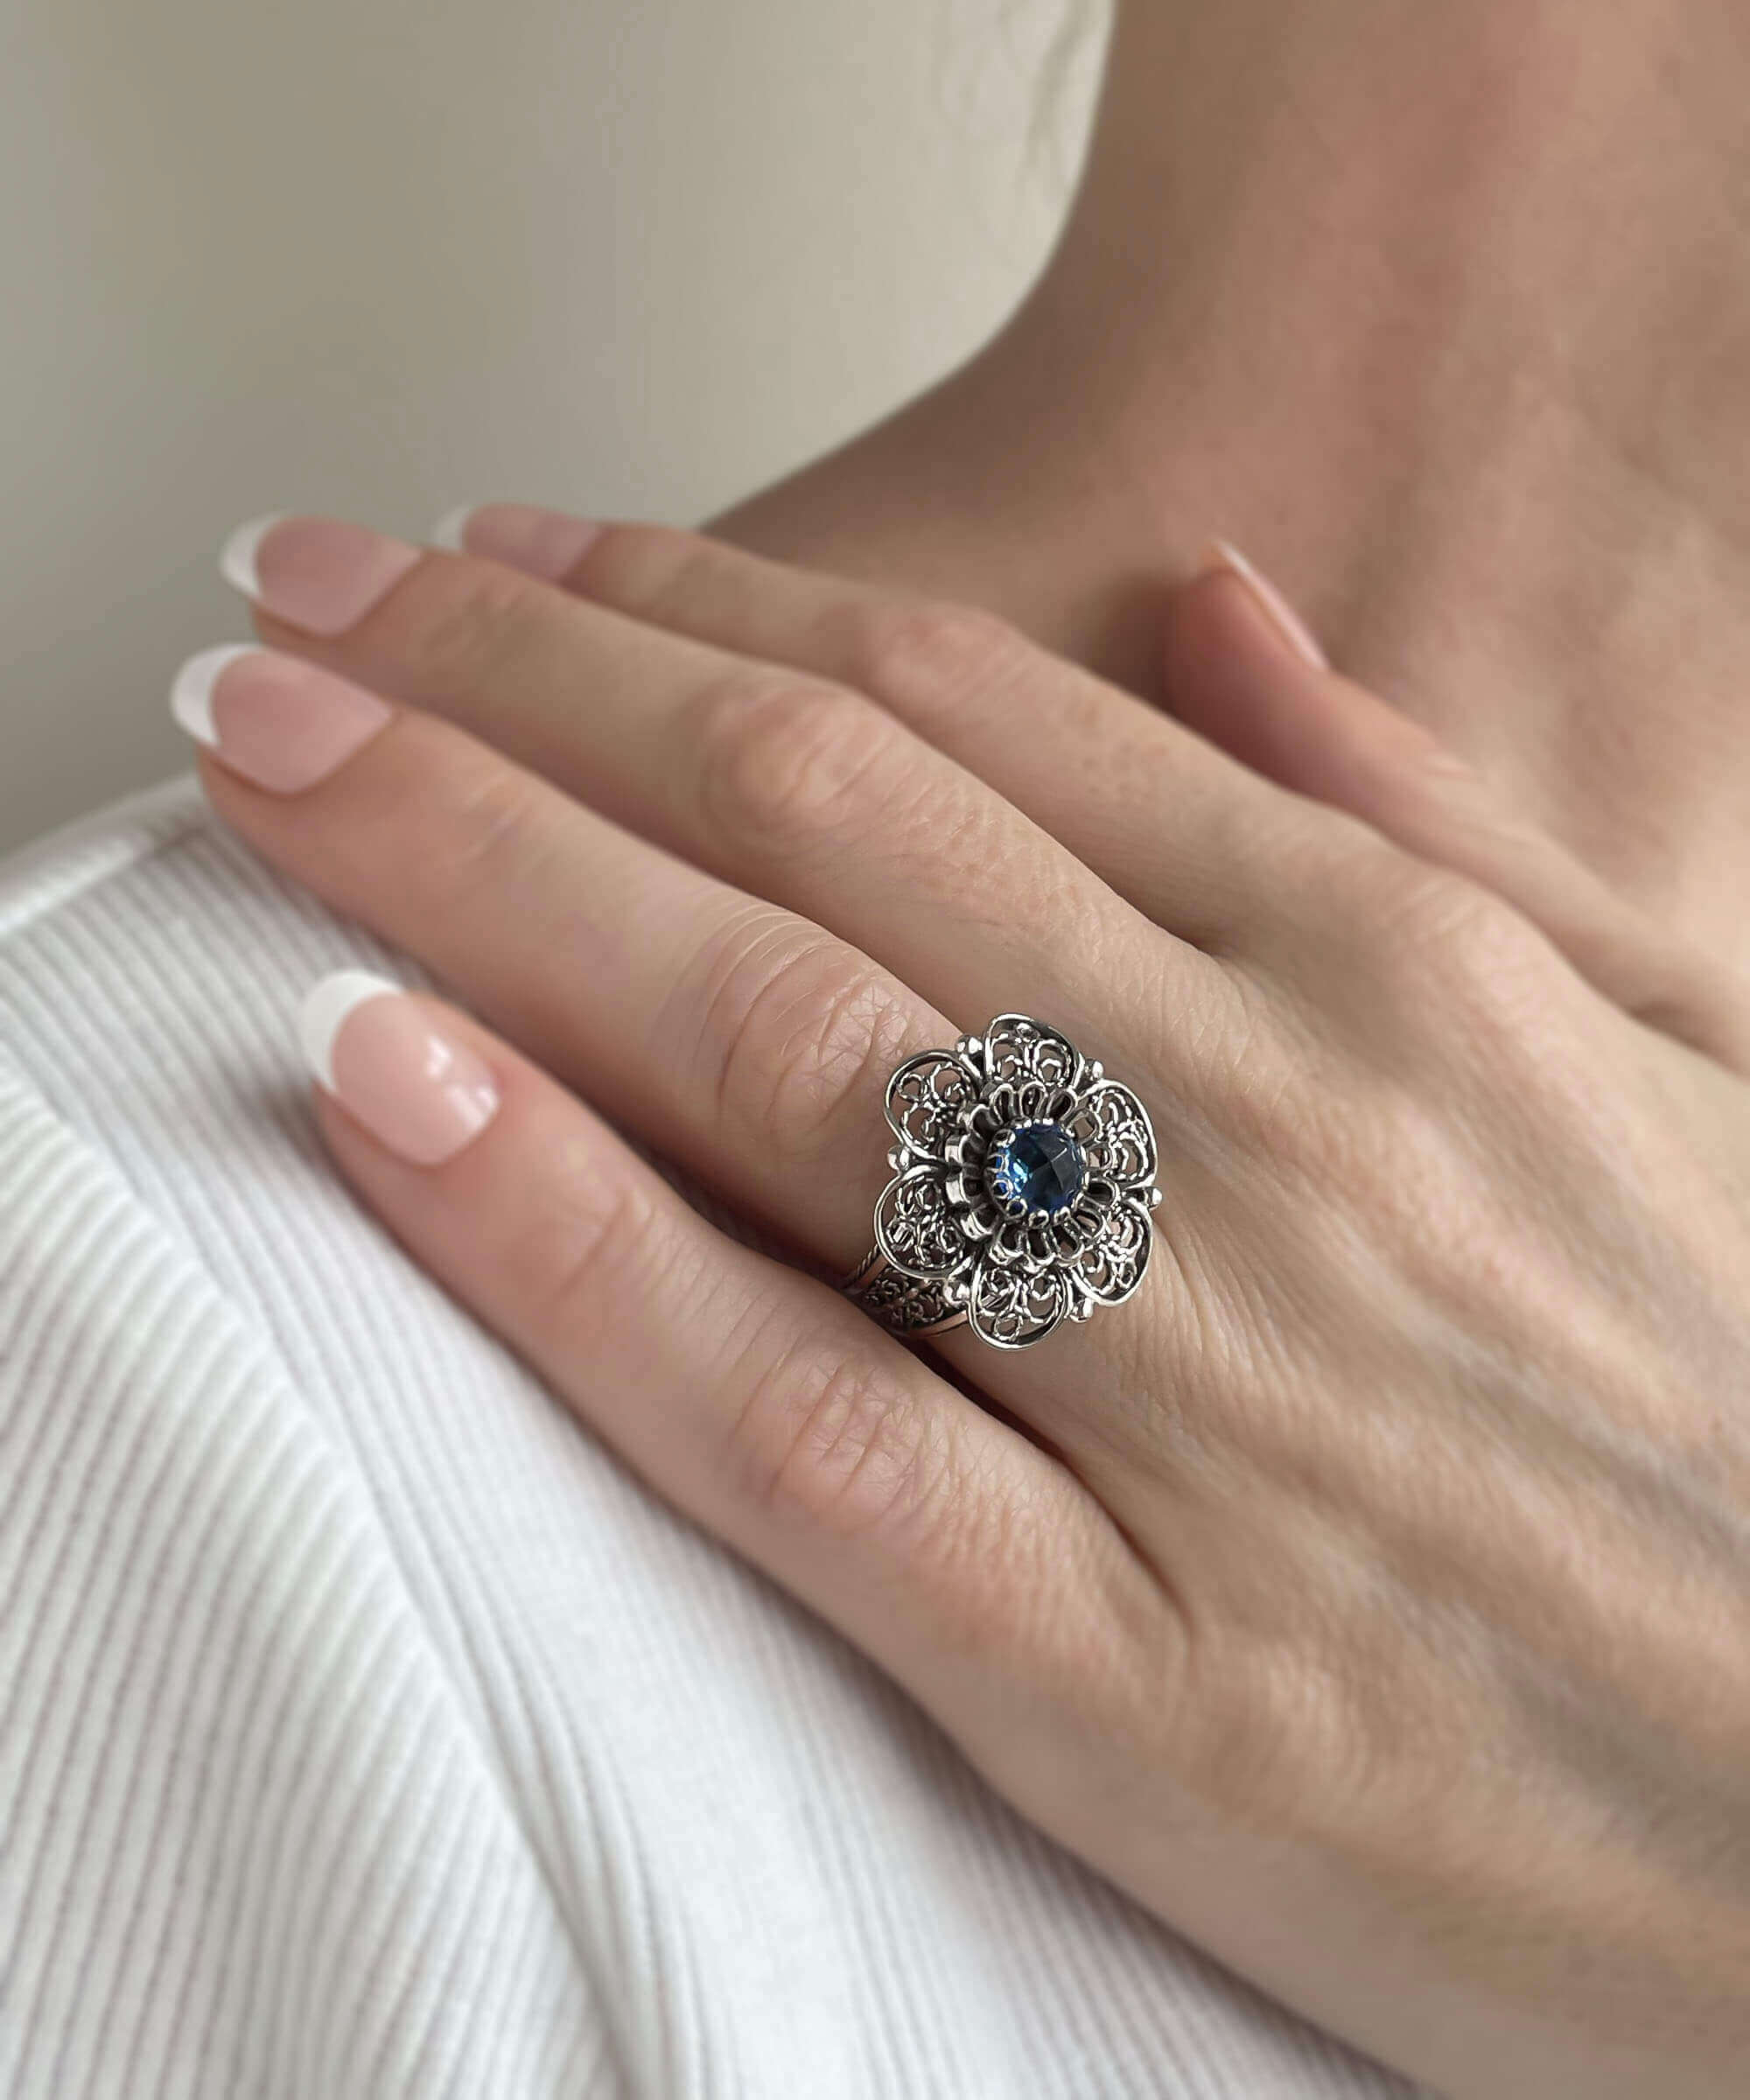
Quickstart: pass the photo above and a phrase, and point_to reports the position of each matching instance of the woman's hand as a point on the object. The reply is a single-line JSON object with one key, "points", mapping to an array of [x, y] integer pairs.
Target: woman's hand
{"points": [[1370, 1594]]}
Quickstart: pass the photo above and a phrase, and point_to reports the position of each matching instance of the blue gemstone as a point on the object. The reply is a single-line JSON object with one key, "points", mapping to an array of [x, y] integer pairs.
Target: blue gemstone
{"points": [[1038, 1164]]}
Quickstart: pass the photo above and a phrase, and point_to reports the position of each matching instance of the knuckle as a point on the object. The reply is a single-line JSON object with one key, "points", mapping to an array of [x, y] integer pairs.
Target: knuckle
{"points": [[1326, 1730], [585, 1241], [1452, 949], [920, 654], [1487, 964], [783, 758], [1291, 1103], [1265, 1073], [1407, 907], [796, 1030], [479, 624], [494, 840], [1436, 910], [648, 569], [1267, 1735], [834, 1441]]}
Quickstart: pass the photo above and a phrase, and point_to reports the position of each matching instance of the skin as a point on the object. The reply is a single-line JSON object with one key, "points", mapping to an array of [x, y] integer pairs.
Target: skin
{"points": [[1370, 1596], [1443, 317]]}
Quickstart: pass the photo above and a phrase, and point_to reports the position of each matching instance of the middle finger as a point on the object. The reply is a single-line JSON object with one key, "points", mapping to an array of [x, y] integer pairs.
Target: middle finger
{"points": [[784, 783]]}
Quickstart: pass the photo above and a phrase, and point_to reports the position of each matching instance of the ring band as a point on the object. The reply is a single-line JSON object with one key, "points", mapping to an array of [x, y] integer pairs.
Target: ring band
{"points": [[909, 1304], [1023, 1190]]}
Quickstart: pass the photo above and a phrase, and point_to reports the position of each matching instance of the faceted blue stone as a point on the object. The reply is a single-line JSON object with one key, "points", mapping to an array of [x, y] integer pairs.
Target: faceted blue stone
{"points": [[1038, 1164]]}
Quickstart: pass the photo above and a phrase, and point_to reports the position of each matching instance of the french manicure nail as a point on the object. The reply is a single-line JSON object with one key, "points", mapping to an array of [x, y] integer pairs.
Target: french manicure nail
{"points": [[276, 720], [237, 555], [547, 544], [320, 574], [447, 532], [391, 1065], [1276, 608]]}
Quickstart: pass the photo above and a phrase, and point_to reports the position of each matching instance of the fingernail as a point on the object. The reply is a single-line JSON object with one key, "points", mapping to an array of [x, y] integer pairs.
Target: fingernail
{"points": [[447, 532], [1281, 616], [389, 1064], [281, 723], [547, 544], [320, 574]]}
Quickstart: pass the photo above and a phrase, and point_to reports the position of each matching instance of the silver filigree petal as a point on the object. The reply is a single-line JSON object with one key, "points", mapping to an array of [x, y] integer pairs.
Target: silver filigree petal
{"points": [[1112, 1267], [916, 1228], [928, 1095], [1086, 1218], [1012, 1307], [1114, 1131], [1033, 1059], [1019, 1244]]}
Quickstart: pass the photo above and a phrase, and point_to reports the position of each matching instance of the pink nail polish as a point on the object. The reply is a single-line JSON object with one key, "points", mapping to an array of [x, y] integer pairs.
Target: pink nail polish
{"points": [[1276, 608], [391, 1065], [547, 544], [279, 722], [320, 574]]}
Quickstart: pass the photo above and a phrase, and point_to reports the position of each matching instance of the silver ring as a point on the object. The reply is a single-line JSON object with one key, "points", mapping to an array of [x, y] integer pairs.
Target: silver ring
{"points": [[1023, 1190]]}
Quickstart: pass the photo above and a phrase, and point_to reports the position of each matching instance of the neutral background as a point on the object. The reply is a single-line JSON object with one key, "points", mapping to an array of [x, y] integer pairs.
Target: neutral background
{"points": [[380, 256]]}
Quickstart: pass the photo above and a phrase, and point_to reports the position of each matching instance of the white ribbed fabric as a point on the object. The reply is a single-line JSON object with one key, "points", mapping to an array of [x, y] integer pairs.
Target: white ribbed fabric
{"points": [[365, 1729]]}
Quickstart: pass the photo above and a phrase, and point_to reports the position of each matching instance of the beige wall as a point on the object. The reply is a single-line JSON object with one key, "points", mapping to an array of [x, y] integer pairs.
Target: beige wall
{"points": [[379, 257]]}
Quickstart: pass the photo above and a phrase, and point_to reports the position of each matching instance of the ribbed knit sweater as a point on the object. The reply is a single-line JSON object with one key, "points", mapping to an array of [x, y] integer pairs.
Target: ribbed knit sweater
{"points": [[366, 1728]]}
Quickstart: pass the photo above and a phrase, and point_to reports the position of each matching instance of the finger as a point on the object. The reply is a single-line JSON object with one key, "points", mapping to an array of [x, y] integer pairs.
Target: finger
{"points": [[969, 1563], [1162, 816], [749, 1042], [1099, 770], [734, 1036], [784, 784], [1237, 673]]}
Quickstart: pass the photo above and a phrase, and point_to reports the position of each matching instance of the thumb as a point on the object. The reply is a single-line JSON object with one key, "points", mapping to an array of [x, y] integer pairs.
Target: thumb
{"points": [[1242, 670]]}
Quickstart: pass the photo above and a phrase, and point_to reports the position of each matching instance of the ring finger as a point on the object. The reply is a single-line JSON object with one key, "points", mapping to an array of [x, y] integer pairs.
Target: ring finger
{"points": [[734, 1036]]}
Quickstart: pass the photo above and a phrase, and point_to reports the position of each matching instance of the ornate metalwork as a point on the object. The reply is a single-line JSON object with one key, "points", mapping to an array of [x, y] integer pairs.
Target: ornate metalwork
{"points": [[955, 1244]]}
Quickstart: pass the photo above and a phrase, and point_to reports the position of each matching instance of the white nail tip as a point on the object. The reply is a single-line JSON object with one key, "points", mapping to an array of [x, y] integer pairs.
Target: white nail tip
{"points": [[191, 692], [325, 1007], [237, 556], [447, 532]]}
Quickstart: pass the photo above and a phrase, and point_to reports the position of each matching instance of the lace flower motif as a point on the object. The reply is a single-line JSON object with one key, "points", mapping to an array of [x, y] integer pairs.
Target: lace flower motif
{"points": [[1024, 1184]]}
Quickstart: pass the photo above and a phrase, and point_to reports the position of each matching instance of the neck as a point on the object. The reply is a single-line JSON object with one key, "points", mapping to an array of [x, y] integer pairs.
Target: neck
{"points": [[1444, 315]]}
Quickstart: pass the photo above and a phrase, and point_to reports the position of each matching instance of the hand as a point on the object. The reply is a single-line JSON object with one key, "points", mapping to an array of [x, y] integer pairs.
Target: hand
{"points": [[1368, 1595]]}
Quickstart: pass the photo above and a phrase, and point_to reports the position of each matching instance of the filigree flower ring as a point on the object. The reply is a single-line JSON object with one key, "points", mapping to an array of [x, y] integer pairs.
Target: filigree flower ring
{"points": [[1022, 1192]]}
